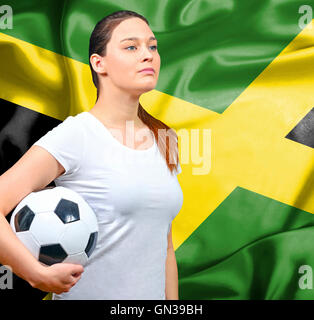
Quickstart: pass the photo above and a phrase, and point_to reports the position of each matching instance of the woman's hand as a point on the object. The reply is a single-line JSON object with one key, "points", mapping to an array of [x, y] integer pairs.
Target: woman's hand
{"points": [[57, 278]]}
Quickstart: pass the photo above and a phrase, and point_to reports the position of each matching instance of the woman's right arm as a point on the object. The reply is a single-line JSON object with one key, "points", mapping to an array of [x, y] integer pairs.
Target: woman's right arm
{"points": [[32, 172]]}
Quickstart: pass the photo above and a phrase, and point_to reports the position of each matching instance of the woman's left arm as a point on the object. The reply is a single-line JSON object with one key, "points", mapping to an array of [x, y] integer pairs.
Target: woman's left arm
{"points": [[171, 271]]}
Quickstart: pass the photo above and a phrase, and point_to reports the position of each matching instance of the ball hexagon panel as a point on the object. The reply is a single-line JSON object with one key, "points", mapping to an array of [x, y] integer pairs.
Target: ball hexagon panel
{"points": [[92, 241], [46, 236], [79, 258], [88, 216], [25, 201], [85, 211], [67, 211], [23, 219], [30, 242], [75, 237], [43, 200], [52, 253]]}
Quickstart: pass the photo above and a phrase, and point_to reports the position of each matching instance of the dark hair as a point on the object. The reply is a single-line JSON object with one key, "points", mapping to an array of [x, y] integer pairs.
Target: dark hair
{"points": [[100, 36]]}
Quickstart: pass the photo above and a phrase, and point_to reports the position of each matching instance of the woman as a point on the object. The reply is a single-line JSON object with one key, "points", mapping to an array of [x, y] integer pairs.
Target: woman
{"points": [[131, 187]]}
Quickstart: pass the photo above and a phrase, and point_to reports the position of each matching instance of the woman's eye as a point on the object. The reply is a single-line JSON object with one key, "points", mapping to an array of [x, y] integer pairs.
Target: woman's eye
{"points": [[154, 47]]}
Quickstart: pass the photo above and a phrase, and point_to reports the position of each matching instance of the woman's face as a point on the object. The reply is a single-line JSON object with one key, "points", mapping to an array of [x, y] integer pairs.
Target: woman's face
{"points": [[125, 58]]}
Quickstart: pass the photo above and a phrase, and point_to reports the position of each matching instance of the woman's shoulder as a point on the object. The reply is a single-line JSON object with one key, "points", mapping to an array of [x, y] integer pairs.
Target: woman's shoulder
{"points": [[73, 121], [68, 130]]}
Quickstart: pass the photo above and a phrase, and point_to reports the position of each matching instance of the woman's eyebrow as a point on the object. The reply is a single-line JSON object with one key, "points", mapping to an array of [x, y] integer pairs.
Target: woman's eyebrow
{"points": [[135, 38]]}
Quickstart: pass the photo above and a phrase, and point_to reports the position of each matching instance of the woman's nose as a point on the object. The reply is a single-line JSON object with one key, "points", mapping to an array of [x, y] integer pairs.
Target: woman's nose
{"points": [[147, 54]]}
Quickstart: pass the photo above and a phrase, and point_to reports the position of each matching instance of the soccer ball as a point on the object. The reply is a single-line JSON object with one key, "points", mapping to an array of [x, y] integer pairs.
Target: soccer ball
{"points": [[56, 225]]}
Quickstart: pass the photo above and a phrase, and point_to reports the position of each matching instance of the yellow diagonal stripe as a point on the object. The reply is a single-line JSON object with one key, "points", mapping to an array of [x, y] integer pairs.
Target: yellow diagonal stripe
{"points": [[248, 145]]}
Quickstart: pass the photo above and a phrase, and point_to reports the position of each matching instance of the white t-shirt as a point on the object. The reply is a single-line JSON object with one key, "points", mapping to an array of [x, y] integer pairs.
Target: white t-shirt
{"points": [[135, 198]]}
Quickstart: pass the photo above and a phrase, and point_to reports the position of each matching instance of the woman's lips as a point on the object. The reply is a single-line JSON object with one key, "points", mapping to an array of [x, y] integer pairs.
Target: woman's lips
{"points": [[148, 70]]}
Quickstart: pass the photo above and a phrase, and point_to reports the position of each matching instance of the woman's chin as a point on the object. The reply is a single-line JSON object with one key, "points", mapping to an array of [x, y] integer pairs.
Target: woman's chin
{"points": [[145, 88]]}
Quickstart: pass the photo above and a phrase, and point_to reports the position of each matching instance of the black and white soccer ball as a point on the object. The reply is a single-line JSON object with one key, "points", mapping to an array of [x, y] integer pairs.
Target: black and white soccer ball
{"points": [[56, 225]]}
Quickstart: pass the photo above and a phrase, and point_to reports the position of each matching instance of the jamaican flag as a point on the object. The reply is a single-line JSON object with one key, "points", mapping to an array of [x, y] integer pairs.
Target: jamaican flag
{"points": [[240, 74]]}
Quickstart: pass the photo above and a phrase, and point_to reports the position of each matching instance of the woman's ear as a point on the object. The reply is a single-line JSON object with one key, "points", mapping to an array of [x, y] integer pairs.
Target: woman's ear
{"points": [[98, 63]]}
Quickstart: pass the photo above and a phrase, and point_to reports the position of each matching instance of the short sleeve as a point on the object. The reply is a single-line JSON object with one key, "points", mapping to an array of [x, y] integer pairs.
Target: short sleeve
{"points": [[65, 142]]}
